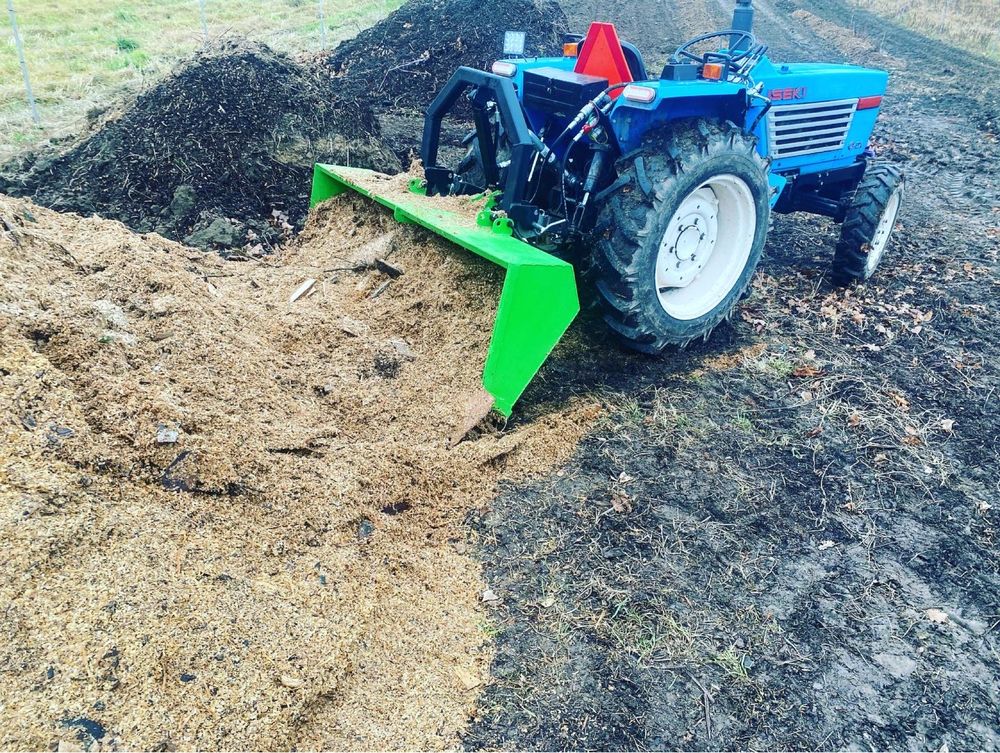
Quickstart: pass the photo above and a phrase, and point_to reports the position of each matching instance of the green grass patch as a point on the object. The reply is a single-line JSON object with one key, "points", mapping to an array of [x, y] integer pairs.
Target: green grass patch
{"points": [[83, 54], [135, 59], [731, 662], [125, 44], [126, 16]]}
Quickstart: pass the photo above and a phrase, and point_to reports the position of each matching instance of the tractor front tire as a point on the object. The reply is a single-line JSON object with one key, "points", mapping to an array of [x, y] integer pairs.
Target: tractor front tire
{"points": [[678, 245], [868, 225]]}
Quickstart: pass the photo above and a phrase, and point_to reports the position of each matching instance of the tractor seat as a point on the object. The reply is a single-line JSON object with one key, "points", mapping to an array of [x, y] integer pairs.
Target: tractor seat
{"points": [[603, 54], [634, 59]]}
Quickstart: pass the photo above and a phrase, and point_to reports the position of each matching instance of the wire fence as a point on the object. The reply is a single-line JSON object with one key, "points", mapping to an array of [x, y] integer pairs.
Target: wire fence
{"points": [[63, 59], [23, 63]]}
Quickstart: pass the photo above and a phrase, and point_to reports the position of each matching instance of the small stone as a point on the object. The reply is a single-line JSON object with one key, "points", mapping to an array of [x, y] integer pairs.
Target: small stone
{"points": [[403, 348], [489, 596], [112, 313], [187, 677], [219, 233], [166, 434], [468, 679], [58, 433], [353, 327], [182, 203], [937, 615], [292, 682]]}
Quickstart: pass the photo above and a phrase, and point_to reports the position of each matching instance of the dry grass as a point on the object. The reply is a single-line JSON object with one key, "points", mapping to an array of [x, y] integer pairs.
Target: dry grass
{"points": [[81, 54], [973, 25]]}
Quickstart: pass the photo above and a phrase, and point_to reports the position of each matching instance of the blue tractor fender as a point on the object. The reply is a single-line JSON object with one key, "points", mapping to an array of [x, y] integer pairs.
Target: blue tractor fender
{"points": [[676, 100], [673, 101]]}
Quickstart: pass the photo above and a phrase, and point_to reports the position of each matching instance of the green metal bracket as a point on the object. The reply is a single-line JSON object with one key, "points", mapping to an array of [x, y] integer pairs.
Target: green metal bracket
{"points": [[539, 298]]}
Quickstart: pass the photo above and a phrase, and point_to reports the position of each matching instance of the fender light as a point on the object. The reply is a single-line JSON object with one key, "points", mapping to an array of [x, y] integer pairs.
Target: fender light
{"points": [[571, 50], [503, 68], [642, 94], [869, 103]]}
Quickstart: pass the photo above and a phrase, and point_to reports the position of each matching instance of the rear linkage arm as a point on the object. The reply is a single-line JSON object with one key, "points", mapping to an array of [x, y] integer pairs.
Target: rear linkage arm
{"points": [[524, 144]]}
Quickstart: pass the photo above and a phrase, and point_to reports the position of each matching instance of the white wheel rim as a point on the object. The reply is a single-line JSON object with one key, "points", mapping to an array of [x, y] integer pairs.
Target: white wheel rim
{"points": [[706, 247], [882, 232]]}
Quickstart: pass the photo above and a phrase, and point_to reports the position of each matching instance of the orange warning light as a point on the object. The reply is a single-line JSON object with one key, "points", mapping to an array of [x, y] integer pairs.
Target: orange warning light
{"points": [[712, 71]]}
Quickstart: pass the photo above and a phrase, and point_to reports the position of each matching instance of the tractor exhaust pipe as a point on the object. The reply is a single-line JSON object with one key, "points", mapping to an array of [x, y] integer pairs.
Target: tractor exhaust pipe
{"points": [[743, 21], [743, 16]]}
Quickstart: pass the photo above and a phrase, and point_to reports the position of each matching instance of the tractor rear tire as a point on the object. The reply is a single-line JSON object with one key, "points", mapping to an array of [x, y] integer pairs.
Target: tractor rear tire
{"points": [[868, 225], [470, 170], [678, 245]]}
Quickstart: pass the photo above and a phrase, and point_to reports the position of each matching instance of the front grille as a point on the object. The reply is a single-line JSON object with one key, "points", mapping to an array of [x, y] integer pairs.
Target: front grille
{"points": [[809, 128]]}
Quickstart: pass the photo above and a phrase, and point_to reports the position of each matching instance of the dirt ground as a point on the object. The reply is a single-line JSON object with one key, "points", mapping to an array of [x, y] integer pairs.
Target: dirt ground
{"points": [[235, 521], [786, 538]]}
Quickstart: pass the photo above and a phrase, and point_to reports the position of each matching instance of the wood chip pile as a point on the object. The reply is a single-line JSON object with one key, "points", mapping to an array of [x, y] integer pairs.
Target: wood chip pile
{"points": [[231, 519]]}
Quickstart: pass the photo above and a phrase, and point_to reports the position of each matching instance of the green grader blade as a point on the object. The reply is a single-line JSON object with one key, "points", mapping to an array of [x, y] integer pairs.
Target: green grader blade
{"points": [[539, 299]]}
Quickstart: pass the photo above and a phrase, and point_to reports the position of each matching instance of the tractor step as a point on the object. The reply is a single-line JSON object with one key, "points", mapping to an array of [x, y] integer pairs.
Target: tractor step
{"points": [[539, 298]]}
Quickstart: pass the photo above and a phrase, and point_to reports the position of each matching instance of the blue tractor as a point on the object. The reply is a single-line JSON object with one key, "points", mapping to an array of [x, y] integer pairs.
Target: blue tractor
{"points": [[663, 185]]}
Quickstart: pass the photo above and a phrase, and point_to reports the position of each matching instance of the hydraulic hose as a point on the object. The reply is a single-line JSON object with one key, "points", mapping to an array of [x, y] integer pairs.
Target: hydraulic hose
{"points": [[547, 153], [588, 109]]}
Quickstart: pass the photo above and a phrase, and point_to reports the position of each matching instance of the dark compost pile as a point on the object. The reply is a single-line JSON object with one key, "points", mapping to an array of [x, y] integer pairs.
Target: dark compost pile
{"points": [[219, 153], [403, 61]]}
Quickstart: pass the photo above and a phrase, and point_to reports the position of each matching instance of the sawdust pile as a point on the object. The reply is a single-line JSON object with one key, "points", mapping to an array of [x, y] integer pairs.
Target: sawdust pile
{"points": [[231, 521], [211, 153]]}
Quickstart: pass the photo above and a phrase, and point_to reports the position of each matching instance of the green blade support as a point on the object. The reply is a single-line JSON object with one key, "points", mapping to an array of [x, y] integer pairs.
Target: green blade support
{"points": [[539, 299]]}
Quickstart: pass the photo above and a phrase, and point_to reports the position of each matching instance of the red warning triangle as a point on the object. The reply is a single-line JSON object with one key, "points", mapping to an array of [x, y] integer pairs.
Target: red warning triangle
{"points": [[602, 55]]}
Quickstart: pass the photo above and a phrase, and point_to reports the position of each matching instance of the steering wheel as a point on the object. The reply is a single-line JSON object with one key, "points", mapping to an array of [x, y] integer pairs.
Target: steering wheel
{"points": [[744, 43]]}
